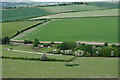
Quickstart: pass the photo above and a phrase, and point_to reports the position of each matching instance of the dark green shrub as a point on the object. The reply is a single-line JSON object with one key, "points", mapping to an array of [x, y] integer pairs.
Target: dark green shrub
{"points": [[27, 42], [83, 44], [106, 44], [87, 54], [87, 48], [35, 43], [52, 42], [106, 52]]}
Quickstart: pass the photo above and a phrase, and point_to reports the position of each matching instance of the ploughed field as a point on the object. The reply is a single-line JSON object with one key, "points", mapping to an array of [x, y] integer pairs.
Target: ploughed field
{"points": [[98, 29]]}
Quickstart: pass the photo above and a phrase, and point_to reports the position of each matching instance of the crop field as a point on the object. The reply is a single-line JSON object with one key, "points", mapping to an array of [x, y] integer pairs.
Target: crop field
{"points": [[105, 4], [109, 12], [10, 28], [58, 9], [88, 67], [99, 29], [20, 14]]}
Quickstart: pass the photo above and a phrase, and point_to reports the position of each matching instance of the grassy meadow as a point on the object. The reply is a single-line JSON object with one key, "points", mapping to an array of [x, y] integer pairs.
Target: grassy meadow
{"points": [[10, 28], [88, 67], [58, 9], [99, 29]]}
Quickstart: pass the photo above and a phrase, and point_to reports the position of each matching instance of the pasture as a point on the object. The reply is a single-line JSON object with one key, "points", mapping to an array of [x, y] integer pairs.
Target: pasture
{"points": [[98, 29], [70, 8], [97, 13], [96, 67], [20, 14], [10, 28]]}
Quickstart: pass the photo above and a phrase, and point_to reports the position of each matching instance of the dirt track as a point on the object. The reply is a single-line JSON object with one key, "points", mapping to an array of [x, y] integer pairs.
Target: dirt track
{"points": [[92, 43], [33, 52]]}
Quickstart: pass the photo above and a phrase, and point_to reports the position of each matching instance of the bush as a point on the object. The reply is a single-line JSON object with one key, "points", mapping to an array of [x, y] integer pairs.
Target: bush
{"points": [[88, 48], [68, 52], [56, 51], [71, 64], [80, 47], [87, 54], [78, 53], [67, 45], [52, 42], [118, 51], [27, 42], [106, 52], [43, 57], [105, 44]]}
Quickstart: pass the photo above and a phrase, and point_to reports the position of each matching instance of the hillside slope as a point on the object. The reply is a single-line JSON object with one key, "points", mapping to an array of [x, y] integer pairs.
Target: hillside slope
{"points": [[19, 14]]}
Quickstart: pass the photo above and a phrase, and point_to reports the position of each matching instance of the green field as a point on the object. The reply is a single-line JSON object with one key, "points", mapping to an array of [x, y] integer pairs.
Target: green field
{"points": [[105, 4], [10, 28], [99, 29], [58, 9], [19, 14], [88, 67], [109, 12]]}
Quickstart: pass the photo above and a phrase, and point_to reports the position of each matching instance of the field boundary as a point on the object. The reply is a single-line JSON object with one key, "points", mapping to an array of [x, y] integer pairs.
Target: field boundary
{"points": [[29, 28], [32, 28]]}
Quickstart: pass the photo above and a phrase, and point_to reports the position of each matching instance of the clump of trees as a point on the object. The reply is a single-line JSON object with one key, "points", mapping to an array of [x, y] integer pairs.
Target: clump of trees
{"points": [[66, 45], [35, 43], [5, 40]]}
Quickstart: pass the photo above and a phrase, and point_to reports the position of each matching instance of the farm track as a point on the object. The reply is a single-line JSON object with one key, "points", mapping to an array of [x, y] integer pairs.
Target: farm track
{"points": [[59, 42], [33, 52]]}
